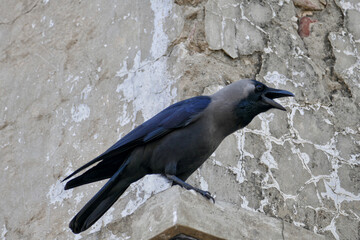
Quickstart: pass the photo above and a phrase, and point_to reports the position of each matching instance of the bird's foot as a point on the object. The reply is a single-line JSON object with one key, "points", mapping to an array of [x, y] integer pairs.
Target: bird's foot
{"points": [[187, 186], [206, 194]]}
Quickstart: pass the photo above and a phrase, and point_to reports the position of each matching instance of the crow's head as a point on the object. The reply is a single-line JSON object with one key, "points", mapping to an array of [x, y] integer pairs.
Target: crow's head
{"points": [[254, 97]]}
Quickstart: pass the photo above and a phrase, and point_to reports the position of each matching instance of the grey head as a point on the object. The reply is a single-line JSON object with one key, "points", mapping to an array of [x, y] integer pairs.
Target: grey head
{"points": [[249, 98]]}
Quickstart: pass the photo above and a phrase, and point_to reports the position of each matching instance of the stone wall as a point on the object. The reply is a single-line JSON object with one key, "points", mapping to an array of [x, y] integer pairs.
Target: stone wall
{"points": [[75, 76]]}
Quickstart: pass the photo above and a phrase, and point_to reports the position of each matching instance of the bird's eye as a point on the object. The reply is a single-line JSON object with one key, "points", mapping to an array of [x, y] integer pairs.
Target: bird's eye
{"points": [[259, 88]]}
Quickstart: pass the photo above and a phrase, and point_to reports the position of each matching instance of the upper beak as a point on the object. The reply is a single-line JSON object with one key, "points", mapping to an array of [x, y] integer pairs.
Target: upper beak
{"points": [[272, 93]]}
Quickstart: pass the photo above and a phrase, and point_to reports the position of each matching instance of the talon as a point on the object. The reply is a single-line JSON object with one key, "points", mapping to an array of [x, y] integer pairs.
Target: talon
{"points": [[207, 194]]}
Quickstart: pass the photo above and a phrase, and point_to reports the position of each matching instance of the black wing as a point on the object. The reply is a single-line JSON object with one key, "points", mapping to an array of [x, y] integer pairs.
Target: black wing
{"points": [[175, 116]]}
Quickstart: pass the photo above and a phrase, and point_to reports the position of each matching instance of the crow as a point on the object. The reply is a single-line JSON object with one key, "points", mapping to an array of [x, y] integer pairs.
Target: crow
{"points": [[174, 143]]}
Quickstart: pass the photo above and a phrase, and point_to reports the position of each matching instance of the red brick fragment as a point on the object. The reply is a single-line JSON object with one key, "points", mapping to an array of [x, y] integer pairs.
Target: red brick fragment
{"points": [[304, 26]]}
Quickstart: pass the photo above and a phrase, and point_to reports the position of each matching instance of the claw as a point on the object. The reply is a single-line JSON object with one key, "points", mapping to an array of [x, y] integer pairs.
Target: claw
{"points": [[188, 186], [207, 195]]}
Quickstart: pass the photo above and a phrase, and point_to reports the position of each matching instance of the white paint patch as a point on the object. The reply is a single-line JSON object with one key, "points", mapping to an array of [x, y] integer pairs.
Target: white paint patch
{"points": [[299, 224], [145, 188], [57, 194], [3, 232], [328, 121], [79, 197], [124, 117], [329, 148], [45, 1], [332, 228], [103, 221], [281, 2], [295, 209], [268, 160], [349, 6], [223, 24], [268, 50], [350, 131], [51, 23], [296, 73], [275, 78], [217, 163], [266, 157], [335, 192], [85, 92], [263, 203], [126, 16], [292, 35], [160, 43], [203, 184], [239, 171], [304, 157], [243, 13], [174, 217], [245, 204], [80, 112], [355, 158], [147, 86]]}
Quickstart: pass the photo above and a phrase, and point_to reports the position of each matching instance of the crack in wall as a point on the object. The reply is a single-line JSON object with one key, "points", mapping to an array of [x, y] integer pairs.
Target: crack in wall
{"points": [[21, 14]]}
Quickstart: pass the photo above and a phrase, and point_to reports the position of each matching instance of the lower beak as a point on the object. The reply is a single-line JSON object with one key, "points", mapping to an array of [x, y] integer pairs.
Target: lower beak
{"points": [[272, 93]]}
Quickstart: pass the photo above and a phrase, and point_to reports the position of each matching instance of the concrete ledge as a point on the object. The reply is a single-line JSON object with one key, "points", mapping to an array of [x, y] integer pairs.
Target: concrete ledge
{"points": [[178, 211]]}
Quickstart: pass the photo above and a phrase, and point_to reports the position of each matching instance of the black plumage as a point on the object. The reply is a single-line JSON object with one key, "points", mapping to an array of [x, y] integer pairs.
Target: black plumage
{"points": [[175, 142]]}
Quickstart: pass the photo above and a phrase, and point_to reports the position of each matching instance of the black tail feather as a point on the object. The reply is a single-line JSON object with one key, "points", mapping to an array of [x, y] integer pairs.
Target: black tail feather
{"points": [[101, 202], [103, 170], [83, 167]]}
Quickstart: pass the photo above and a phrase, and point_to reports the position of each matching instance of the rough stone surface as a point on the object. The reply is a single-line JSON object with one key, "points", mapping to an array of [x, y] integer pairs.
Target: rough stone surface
{"points": [[75, 76], [314, 5], [191, 214]]}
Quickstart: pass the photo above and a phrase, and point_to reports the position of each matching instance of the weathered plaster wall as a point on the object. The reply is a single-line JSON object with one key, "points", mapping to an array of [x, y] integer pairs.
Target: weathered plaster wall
{"points": [[77, 75]]}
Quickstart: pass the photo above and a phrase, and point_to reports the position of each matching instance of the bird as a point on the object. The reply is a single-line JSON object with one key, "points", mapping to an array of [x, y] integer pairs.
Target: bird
{"points": [[173, 143]]}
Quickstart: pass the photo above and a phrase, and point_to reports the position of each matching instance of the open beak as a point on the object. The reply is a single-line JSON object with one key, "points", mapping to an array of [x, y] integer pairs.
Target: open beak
{"points": [[272, 93]]}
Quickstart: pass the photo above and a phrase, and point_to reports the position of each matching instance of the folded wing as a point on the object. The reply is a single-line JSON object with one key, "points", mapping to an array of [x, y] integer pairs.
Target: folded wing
{"points": [[175, 116]]}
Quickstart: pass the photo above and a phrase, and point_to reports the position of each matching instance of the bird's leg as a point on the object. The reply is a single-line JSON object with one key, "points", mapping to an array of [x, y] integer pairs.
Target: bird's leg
{"points": [[188, 186]]}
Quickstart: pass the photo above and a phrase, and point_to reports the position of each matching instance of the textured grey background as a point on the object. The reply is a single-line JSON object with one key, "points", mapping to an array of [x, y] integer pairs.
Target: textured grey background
{"points": [[75, 76]]}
